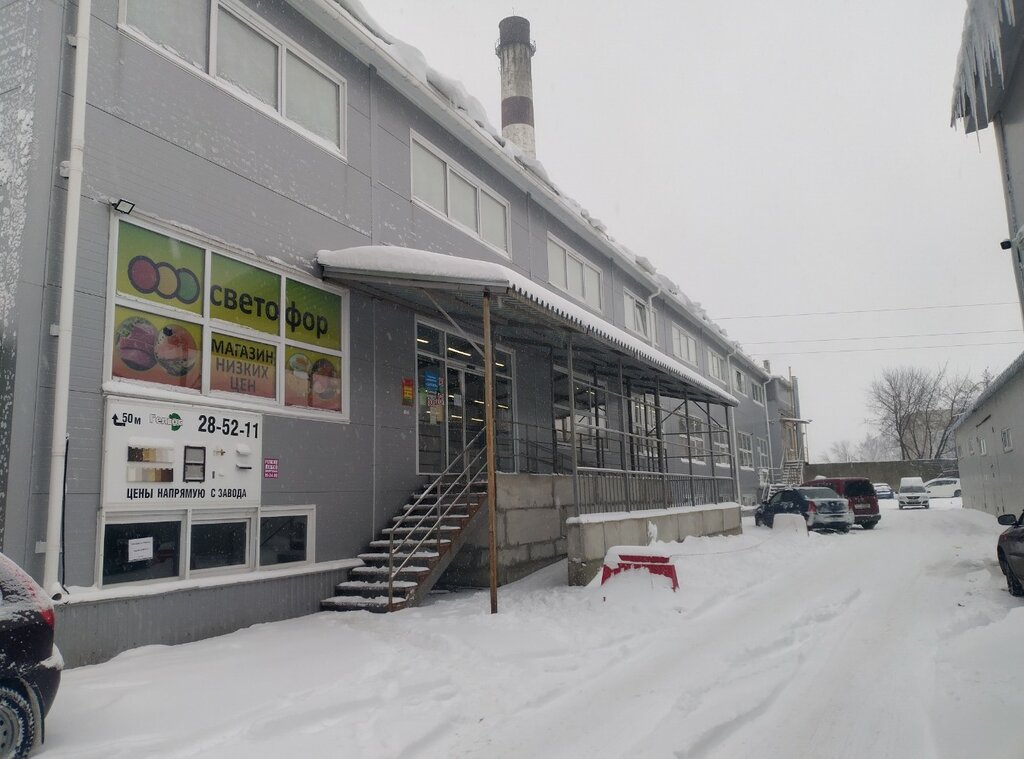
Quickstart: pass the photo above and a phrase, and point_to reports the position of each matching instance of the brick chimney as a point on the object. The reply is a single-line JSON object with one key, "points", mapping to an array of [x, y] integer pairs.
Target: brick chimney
{"points": [[515, 50]]}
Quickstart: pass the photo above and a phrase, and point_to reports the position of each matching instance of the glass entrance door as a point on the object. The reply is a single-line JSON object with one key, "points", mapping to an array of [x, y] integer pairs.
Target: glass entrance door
{"points": [[465, 413]]}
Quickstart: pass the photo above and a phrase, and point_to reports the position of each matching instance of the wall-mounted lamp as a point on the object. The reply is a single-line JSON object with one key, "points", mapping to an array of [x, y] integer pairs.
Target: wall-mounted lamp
{"points": [[1006, 245], [123, 206]]}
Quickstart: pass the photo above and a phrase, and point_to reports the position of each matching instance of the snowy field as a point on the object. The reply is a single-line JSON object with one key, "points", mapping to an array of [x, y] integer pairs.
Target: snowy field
{"points": [[899, 643]]}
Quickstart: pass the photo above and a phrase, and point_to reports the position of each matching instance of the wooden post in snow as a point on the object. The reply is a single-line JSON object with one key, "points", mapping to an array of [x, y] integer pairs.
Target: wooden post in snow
{"points": [[489, 436]]}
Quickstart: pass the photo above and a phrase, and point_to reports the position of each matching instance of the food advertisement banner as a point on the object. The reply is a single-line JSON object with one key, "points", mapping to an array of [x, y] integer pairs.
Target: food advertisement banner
{"points": [[312, 315], [244, 295], [243, 366], [312, 379], [157, 349], [158, 268]]}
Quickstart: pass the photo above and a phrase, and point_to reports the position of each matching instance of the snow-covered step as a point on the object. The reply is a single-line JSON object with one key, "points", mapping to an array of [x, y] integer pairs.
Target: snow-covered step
{"points": [[449, 528], [369, 573], [386, 544], [428, 518], [371, 558], [364, 603]]}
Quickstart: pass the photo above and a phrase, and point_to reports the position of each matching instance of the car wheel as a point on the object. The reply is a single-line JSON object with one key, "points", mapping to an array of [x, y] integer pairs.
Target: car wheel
{"points": [[927, 506], [17, 724], [901, 507], [1012, 583], [869, 525], [757, 521], [956, 494]]}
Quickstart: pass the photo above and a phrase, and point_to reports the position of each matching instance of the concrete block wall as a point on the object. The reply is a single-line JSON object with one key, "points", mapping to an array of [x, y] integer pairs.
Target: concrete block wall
{"points": [[530, 530], [590, 538]]}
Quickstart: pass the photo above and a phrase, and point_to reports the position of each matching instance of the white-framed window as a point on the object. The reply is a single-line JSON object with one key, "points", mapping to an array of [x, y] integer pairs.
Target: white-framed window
{"points": [[716, 366], [637, 315], [982, 446], [193, 318], [720, 443], [572, 273], [739, 381], [240, 51], [757, 393], [970, 446], [745, 447], [697, 444], [439, 184], [684, 345], [763, 460], [1007, 437], [151, 545]]}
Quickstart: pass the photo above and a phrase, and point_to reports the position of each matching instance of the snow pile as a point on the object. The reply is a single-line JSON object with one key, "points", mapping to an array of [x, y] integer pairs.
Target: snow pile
{"points": [[892, 643], [980, 58]]}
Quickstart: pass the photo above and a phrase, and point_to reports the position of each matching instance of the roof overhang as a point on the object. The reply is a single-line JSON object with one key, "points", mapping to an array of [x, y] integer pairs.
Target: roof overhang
{"points": [[992, 39], [523, 311]]}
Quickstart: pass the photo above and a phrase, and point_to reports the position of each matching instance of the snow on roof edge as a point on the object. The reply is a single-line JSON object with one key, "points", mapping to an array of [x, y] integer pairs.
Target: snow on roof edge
{"points": [[387, 259], [994, 387]]}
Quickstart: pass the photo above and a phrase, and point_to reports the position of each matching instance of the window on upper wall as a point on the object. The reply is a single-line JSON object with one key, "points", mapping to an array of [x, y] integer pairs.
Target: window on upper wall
{"points": [[234, 46], [757, 392], [716, 366], [982, 446], [459, 197], [1007, 439], [745, 446], [684, 345], [637, 315], [569, 271], [739, 381], [763, 460]]}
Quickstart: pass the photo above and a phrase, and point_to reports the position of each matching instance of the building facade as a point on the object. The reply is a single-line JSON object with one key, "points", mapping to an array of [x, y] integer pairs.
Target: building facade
{"points": [[289, 248], [988, 93]]}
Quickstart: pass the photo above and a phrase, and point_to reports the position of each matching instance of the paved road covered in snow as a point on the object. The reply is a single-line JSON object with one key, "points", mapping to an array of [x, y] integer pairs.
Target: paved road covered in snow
{"points": [[897, 643]]}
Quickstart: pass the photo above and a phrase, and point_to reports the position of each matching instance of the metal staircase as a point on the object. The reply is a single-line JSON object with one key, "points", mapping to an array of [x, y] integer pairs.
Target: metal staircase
{"points": [[402, 566], [792, 473]]}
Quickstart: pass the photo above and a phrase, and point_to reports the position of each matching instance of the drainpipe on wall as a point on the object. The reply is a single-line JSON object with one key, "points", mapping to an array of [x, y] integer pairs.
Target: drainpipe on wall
{"points": [[732, 432], [54, 515]]}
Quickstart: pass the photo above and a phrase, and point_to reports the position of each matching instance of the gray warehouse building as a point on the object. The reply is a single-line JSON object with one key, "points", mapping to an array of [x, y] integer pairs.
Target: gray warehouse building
{"points": [[265, 280]]}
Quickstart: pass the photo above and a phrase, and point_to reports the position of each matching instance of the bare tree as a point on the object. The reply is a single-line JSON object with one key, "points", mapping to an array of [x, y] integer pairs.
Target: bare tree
{"points": [[876, 448], [841, 452], [915, 409]]}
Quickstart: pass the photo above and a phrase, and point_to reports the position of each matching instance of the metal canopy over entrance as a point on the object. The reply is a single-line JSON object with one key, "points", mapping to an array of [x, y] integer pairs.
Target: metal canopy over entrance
{"points": [[634, 427]]}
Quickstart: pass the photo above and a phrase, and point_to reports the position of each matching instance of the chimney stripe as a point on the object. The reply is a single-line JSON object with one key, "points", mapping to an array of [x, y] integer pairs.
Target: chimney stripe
{"points": [[517, 110]]}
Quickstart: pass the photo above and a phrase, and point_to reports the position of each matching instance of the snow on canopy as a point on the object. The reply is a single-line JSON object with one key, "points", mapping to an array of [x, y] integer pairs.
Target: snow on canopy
{"points": [[981, 60], [467, 106], [440, 267]]}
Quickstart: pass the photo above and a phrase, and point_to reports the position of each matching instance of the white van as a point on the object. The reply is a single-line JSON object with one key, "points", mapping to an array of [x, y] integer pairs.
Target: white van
{"points": [[912, 492]]}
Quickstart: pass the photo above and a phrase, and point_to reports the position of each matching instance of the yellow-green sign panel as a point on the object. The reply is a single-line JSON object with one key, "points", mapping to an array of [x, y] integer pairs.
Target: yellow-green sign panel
{"points": [[312, 315], [244, 295], [158, 268]]}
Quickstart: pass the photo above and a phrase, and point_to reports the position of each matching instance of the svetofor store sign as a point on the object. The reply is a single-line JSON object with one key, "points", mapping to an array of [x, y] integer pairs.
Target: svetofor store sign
{"points": [[248, 331]]}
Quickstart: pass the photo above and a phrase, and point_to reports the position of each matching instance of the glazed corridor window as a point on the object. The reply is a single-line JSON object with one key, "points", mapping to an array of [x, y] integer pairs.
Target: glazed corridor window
{"points": [[716, 366], [636, 315], [569, 271], [229, 43], [740, 382], [454, 194], [202, 322], [684, 346], [745, 447], [757, 392]]}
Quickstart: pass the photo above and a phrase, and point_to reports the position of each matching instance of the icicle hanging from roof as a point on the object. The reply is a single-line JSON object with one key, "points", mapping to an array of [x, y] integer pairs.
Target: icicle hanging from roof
{"points": [[980, 58]]}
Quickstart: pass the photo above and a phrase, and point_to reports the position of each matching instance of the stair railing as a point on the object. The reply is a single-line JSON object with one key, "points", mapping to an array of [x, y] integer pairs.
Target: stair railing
{"points": [[472, 467]]}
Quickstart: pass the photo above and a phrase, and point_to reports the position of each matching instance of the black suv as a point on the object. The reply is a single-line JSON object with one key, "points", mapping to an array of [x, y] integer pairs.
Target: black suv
{"points": [[30, 665]]}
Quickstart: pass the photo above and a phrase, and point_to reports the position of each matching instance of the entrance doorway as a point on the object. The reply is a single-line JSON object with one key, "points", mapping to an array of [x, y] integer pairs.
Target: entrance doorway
{"points": [[450, 401]]}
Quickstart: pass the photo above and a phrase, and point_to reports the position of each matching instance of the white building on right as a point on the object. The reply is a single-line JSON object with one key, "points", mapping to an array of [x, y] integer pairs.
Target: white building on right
{"points": [[988, 92]]}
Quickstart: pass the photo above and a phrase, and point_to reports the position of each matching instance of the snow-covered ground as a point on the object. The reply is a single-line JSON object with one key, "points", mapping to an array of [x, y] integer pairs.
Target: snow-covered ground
{"points": [[898, 643]]}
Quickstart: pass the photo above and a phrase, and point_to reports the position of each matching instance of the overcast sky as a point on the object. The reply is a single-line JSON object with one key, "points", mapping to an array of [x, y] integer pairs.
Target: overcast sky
{"points": [[771, 158]]}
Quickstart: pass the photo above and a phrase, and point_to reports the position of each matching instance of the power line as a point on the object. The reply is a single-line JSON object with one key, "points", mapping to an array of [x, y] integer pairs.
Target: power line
{"points": [[869, 310], [897, 348], [885, 337]]}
